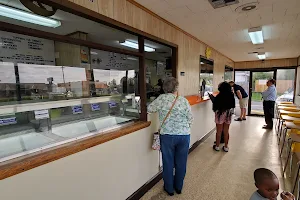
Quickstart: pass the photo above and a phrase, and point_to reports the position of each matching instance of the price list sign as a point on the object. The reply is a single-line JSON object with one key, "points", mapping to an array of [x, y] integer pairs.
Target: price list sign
{"points": [[18, 48]]}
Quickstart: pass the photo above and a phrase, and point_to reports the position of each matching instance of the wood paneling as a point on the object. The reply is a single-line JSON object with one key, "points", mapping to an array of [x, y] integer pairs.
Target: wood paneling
{"points": [[13, 167], [288, 62], [105, 7], [69, 54], [189, 47], [90, 4]]}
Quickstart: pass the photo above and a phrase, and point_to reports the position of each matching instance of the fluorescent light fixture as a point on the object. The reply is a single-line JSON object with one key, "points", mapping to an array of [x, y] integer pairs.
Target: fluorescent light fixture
{"points": [[136, 46], [21, 15], [261, 56], [132, 58], [202, 63], [256, 35]]}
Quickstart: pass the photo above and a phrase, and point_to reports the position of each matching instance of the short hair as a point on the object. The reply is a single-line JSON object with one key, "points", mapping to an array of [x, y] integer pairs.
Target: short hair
{"points": [[262, 173], [273, 81], [170, 85], [231, 82]]}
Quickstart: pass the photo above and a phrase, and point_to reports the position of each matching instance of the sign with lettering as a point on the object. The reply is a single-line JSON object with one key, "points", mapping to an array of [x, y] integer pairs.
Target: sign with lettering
{"points": [[8, 121], [112, 104], [19, 48], [95, 107], [77, 109], [41, 114]]}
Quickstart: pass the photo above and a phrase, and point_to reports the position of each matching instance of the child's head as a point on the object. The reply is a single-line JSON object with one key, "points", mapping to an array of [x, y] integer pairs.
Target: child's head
{"points": [[267, 183]]}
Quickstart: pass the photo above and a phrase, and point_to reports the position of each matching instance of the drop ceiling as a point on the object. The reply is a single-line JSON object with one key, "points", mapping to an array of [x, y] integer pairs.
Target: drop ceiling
{"points": [[227, 30]]}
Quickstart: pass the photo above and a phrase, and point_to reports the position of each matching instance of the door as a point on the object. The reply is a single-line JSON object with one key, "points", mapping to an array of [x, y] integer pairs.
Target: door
{"points": [[258, 81]]}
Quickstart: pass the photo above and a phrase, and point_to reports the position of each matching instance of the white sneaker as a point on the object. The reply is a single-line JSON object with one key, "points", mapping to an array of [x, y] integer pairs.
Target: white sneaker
{"points": [[216, 148], [225, 149]]}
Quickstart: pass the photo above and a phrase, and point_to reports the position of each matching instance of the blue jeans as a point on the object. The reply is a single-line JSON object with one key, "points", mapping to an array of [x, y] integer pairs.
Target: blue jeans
{"points": [[175, 149]]}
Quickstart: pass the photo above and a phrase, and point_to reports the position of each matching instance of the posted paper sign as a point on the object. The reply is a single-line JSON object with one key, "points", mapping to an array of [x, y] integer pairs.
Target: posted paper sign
{"points": [[95, 107], [41, 114], [112, 104], [8, 121], [77, 109], [19, 48]]}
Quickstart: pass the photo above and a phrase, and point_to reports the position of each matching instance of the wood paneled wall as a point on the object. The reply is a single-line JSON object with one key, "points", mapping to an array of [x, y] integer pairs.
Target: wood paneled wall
{"points": [[189, 48], [288, 62]]}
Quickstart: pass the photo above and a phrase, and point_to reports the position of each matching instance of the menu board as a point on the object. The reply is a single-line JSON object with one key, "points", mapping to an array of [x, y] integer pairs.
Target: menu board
{"points": [[26, 49], [109, 60]]}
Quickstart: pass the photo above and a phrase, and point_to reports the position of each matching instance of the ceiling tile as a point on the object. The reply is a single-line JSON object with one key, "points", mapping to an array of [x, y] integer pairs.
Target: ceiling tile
{"points": [[180, 3], [200, 6], [286, 18], [268, 2], [227, 31], [293, 10], [156, 6], [180, 12]]}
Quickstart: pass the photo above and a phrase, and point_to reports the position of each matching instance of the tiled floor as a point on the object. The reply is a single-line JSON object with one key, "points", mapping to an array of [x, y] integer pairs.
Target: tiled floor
{"points": [[217, 175]]}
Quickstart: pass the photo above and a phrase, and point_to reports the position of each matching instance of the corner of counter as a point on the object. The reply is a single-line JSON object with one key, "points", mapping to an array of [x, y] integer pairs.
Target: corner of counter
{"points": [[196, 99]]}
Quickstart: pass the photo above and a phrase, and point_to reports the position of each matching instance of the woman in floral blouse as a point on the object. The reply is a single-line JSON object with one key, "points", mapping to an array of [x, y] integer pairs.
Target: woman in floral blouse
{"points": [[174, 134]]}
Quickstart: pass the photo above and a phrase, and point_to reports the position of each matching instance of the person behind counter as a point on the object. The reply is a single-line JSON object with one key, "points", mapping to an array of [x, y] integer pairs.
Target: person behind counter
{"points": [[174, 134], [223, 107], [160, 85]]}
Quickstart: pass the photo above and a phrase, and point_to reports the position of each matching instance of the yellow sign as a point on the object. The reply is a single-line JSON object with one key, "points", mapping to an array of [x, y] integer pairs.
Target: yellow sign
{"points": [[208, 52]]}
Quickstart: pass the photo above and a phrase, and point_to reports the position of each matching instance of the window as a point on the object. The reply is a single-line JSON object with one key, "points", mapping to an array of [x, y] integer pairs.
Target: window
{"points": [[52, 92], [159, 65], [285, 81], [83, 81], [206, 76], [228, 75], [59, 103]]}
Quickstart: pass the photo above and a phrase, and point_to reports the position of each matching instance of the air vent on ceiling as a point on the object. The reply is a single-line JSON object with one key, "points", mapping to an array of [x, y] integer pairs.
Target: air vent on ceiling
{"points": [[247, 7], [222, 3]]}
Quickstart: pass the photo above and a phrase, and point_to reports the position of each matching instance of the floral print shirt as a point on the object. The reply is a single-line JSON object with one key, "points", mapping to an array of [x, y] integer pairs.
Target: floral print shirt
{"points": [[180, 119]]}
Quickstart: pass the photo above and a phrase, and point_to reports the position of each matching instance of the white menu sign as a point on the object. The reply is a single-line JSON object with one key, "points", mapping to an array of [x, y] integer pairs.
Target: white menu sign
{"points": [[26, 49]]}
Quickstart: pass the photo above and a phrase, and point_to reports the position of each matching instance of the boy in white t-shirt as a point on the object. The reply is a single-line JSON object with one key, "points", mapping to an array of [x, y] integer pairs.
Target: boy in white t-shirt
{"points": [[268, 186]]}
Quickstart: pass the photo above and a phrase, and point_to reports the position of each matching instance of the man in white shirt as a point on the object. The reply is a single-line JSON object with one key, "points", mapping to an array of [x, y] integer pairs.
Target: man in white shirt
{"points": [[269, 97]]}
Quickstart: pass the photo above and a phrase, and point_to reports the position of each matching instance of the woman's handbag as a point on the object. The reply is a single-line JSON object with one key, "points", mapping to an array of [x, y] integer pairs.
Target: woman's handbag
{"points": [[156, 139]]}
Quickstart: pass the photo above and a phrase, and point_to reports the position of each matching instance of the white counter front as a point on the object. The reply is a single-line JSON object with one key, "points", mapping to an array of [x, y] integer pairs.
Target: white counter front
{"points": [[110, 171]]}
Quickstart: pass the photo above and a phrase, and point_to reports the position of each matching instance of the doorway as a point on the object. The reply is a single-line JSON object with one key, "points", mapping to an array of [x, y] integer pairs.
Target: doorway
{"points": [[257, 86], [254, 82]]}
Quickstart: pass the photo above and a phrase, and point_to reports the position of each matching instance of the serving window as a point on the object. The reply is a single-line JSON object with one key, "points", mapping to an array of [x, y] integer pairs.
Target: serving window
{"points": [[66, 83]]}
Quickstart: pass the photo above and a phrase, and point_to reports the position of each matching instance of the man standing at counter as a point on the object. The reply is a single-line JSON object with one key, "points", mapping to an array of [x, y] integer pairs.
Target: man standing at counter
{"points": [[243, 99], [269, 97]]}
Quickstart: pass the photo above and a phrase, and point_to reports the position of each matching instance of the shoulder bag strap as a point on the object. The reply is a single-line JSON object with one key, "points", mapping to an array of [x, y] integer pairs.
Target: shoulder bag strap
{"points": [[166, 117]]}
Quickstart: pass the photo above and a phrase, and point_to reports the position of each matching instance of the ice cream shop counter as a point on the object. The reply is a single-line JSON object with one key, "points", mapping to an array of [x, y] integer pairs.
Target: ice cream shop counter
{"points": [[27, 129]]}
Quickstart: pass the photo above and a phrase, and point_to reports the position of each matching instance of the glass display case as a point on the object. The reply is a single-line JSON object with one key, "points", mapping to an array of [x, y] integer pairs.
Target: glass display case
{"points": [[42, 106]]}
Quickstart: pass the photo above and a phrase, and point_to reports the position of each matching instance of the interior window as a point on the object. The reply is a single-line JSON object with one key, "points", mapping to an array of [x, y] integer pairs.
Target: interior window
{"points": [[206, 76]]}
